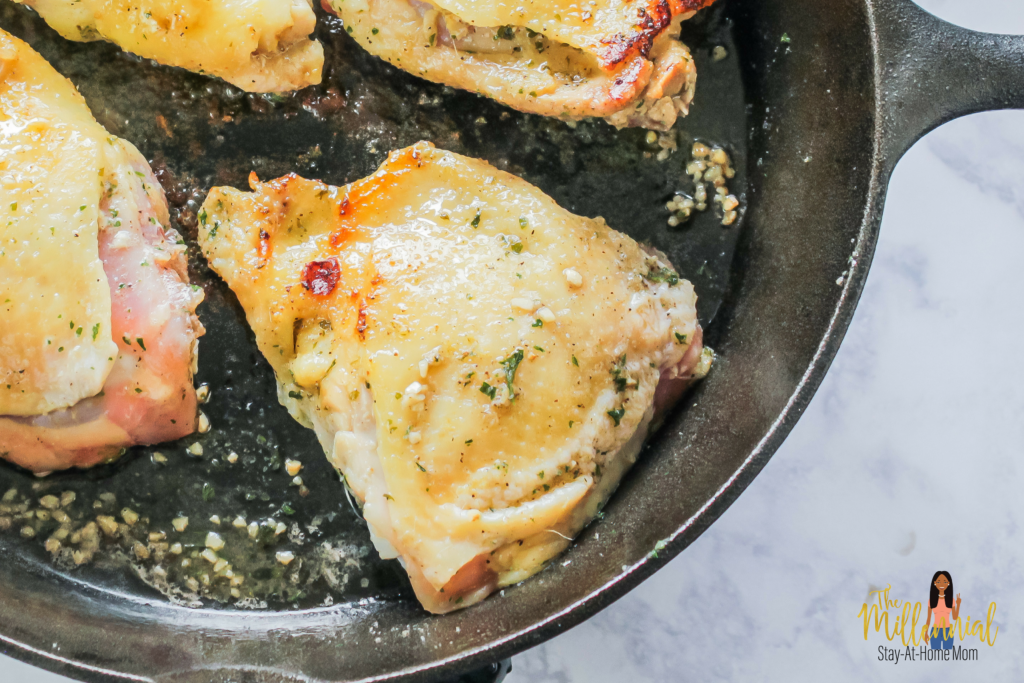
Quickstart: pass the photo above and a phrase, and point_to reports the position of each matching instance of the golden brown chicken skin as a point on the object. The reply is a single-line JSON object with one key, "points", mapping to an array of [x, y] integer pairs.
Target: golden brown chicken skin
{"points": [[257, 45]]}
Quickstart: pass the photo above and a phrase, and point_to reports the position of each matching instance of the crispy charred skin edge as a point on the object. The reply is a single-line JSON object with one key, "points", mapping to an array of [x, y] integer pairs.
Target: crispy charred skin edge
{"points": [[653, 20], [646, 76]]}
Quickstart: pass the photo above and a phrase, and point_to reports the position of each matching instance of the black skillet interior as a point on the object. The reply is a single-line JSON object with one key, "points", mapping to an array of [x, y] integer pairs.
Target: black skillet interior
{"points": [[814, 133], [199, 133]]}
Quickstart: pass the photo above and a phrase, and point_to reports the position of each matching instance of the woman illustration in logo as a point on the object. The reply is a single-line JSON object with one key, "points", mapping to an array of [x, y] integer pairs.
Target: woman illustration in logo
{"points": [[940, 603]]}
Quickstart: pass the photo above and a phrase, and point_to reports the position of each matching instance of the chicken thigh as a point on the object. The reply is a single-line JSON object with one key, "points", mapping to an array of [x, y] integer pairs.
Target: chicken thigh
{"points": [[257, 45], [614, 59], [481, 365], [97, 319]]}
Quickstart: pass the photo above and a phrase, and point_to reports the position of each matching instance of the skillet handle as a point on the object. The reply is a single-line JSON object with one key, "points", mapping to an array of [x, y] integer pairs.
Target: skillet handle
{"points": [[932, 72]]}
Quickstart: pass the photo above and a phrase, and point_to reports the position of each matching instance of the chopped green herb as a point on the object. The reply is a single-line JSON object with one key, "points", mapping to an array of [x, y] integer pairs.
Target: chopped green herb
{"points": [[617, 415], [505, 33], [287, 509], [374, 31], [95, 331], [142, 344], [511, 364], [660, 545], [575, 362], [681, 338], [662, 274], [469, 441], [538, 323], [295, 394], [571, 423], [541, 474], [619, 375], [422, 468], [785, 38], [537, 348], [202, 216], [78, 332], [138, 390], [208, 492], [523, 222], [126, 340], [476, 219], [14, 206], [488, 390]]}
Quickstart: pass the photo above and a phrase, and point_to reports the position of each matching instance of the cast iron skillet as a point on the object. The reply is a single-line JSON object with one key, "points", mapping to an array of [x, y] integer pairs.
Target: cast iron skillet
{"points": [[816, 103]]}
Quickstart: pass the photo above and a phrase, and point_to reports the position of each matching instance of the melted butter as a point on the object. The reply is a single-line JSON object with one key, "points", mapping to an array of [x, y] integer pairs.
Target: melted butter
{"points": [[55, 318]]}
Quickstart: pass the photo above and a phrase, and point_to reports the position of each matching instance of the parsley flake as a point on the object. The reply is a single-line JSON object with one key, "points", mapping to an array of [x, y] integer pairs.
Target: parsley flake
{"points": [[511, 364]]}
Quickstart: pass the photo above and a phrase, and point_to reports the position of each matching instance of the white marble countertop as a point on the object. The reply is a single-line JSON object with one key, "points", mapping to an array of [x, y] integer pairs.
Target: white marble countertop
{"points": [[905, 462]]}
